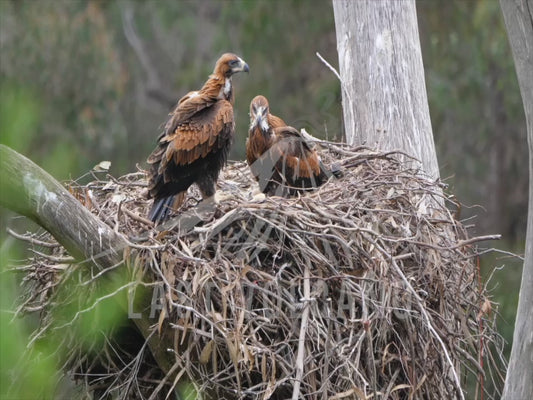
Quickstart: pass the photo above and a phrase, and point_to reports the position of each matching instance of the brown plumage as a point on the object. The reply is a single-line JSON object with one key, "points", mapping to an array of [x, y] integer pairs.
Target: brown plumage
{"points": [[280, 159], [260, 138], [194, 145]]}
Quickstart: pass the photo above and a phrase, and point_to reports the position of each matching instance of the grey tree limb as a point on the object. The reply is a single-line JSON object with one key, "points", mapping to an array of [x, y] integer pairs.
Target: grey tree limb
{"points": [[154, 88], [30, 191], [518, 16]]}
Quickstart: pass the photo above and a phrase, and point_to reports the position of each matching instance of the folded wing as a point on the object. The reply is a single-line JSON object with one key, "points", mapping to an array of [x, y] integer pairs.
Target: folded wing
{"points": [[190, 150]]}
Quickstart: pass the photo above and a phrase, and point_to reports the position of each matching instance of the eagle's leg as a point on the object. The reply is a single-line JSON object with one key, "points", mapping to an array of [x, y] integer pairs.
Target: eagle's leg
{"points": [[178, 201], [207, 187]]}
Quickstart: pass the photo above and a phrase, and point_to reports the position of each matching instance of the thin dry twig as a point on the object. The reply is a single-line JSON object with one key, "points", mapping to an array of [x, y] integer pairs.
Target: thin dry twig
{"points": [[31, 239]]}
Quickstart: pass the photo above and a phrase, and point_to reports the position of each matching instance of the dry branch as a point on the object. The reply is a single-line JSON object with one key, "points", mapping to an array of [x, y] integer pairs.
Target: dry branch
{"points": [[30, 191]]}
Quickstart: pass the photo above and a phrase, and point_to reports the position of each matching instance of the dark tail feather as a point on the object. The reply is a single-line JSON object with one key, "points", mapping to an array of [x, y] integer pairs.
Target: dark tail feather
{"points": [[335, 170], [160, 209]]}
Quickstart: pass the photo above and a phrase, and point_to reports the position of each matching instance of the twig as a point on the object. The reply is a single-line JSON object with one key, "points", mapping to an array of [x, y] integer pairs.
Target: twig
{"points": [[59, 260], [98, 301], [163, 381], [343, 86], [137, 218], [31, 239], [329, 66], [301, 339], [426, 318]]}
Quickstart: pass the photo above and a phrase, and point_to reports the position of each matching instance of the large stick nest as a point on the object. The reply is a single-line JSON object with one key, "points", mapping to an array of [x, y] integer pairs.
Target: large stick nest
{"points": [[364, 288]]}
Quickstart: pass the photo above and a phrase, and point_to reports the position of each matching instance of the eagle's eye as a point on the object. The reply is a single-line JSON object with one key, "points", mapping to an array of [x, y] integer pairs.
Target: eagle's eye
{"points": [[233, 63]]}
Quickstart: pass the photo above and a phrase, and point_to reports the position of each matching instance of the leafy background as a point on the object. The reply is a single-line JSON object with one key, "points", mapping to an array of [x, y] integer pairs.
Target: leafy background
{"points": [[86, 81]]}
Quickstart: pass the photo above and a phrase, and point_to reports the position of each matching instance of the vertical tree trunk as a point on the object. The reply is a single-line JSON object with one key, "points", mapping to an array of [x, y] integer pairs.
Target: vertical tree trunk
{"points": [[518, 15], [383, 86]]}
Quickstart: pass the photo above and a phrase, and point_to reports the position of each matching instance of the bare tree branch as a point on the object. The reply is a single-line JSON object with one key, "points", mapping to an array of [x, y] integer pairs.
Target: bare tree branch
{"points": [[154, 88], [30, 191]]}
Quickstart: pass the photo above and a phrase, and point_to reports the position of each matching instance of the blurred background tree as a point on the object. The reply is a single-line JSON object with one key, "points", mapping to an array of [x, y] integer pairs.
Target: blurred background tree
{"points": [[86, 81]]}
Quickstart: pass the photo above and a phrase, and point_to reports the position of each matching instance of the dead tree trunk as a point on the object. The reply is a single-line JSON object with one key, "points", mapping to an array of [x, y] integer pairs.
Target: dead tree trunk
{"points": [[382, 77], [30, 191], [518, 15]]}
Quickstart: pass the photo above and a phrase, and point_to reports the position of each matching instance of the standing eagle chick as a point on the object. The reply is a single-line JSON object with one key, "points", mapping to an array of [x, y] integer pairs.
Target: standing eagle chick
{"points": [[194, 145], [280, 159]]}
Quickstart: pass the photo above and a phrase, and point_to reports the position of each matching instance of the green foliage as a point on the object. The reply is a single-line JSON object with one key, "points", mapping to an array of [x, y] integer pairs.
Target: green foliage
{"points": [[187, 391], [21, 377], [61, 55], [84, 317], [19, 117], [88, 312]]}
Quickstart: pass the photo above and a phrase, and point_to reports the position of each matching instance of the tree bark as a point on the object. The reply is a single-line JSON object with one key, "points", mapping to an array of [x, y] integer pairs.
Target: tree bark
{"points": [[382, 78], [518, 16], [30, 191]]}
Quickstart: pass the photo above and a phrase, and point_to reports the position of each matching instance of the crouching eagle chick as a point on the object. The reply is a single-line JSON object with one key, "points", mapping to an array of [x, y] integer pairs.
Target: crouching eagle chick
{"points": [[280, 159], [194, 145]]}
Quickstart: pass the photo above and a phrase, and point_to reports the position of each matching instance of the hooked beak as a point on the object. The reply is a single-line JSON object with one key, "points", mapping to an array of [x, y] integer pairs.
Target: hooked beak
{"points": [[258, 119], [261, 120], [242, 67]]}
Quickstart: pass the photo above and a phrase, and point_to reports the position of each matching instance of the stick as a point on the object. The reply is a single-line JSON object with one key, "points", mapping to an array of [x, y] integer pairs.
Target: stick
{"points": [[301, 340]]}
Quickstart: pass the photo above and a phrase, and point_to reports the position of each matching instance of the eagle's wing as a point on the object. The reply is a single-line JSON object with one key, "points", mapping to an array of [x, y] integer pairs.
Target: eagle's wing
{"points": [[186, 142], [275, 122], [189, 105], [296, 161]]}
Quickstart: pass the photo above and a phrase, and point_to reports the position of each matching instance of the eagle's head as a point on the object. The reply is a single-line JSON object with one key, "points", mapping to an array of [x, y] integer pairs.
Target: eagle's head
{"points": [[259, 111], [229, 64]]}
